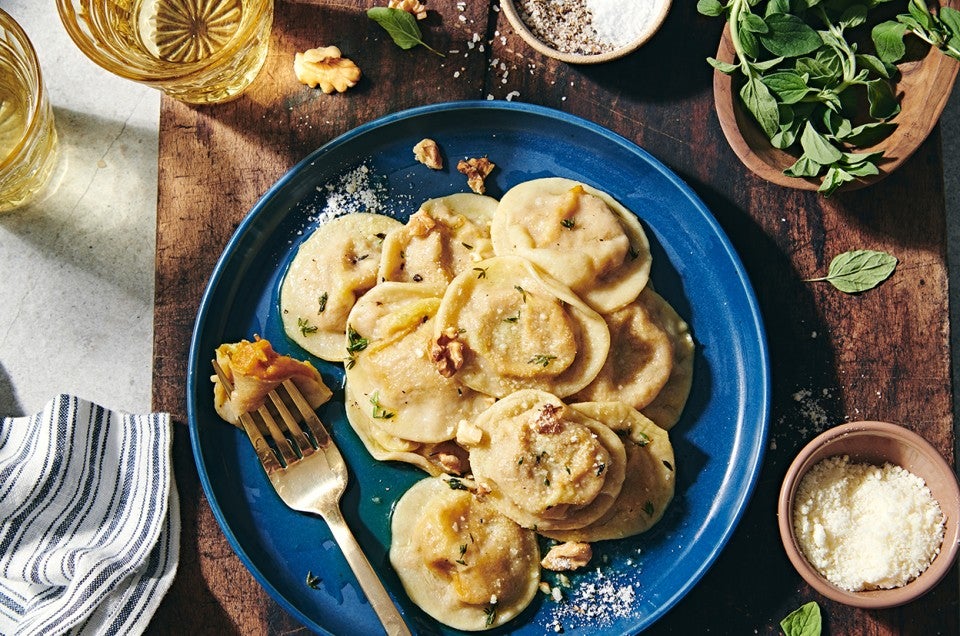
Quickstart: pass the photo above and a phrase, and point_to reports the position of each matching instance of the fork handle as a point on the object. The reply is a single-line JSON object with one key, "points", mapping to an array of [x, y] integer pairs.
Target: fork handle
{"points": [[369, 581]]}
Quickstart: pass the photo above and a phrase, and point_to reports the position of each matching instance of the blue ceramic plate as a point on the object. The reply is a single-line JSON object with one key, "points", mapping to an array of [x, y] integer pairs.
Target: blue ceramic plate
{"points": [[719, 441]]}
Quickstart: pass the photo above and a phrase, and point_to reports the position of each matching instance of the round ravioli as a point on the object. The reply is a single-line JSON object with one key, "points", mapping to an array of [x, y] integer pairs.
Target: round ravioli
{"points": [[546, 466], [435, 459], [331, 269], [579, 235], [641, 354], [461, 561], [666, 407], [504, 325], [650, 480], [444, 237], [390, 372]]}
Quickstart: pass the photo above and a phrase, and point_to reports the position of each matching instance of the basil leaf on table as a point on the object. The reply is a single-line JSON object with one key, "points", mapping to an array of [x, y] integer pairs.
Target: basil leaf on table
{"points": [[859, 270], [401, 27], [803, 621]]}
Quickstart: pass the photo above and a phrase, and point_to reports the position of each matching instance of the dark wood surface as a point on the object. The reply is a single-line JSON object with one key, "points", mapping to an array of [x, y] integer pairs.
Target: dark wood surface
{"points": [[835, 357]]}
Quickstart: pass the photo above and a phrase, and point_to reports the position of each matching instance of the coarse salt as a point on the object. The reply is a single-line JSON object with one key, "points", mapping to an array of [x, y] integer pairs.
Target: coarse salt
{"points": [[866, 527], [588, 27]]}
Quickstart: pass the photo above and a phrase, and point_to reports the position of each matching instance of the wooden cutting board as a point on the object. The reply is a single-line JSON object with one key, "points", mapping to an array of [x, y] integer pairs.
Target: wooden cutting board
{"points": [[882, 355]]}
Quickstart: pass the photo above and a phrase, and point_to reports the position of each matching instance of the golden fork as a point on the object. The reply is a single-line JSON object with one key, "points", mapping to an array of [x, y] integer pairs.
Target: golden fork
{"points": [[309, 475]]}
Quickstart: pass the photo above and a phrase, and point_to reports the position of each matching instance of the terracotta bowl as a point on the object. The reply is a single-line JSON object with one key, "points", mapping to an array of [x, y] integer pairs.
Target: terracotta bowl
{"points": [[924, 87], [876, 443], [653, 24]]}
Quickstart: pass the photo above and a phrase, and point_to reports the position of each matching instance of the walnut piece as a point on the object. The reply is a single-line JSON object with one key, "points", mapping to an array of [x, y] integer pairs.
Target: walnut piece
{"points": [[427, 152], [567, 556], [550, 420], [447, 352], [477, 171], [327, 68], [414, 7]]}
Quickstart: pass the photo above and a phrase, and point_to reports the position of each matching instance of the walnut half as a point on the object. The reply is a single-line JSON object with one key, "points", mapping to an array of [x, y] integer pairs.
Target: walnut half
{"points": [[567, 556], [476, 171], [446, 352], [427, 152], [327, 68], [414, 7]]}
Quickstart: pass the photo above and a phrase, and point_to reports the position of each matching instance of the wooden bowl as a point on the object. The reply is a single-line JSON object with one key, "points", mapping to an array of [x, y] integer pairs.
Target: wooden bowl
{"points": [[661, 8], [924, 87], [875, 443]]}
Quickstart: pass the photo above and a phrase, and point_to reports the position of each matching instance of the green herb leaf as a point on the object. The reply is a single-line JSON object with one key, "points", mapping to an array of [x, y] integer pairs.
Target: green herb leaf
{"points": [[950, 18], [888, 40], [305, 327], [789, 86], [883, 103], [789, 36], [322, 302], [859, 270], [816, 147], [804, 167], [313, 582], [758, 100], [400, 26], [541, 360], [355, 342], [712, 8], [803, 621], [491, 613], [723, 67], [379, 412], [456, 484]]}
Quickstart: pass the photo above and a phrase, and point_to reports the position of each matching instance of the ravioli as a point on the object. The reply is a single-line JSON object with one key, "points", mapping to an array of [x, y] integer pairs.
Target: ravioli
{"points": [[389, 333], [641, 354], [446, 236], [579, 235], [435, 459], [337, 264], [458, 559], [668, 405], [546, 466], [650, 480], [504, 325]]}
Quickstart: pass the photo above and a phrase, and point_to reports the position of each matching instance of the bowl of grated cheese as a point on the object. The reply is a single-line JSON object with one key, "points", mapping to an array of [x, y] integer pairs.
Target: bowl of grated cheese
{"points": [[585, 31], [868, 515]]}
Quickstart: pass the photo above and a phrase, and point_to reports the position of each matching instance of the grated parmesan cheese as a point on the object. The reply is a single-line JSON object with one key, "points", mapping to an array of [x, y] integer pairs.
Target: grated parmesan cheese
{"points": [[866, 527]]}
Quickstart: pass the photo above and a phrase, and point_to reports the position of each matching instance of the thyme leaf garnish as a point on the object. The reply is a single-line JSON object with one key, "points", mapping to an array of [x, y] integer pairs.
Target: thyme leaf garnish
{"points": [[379, 412], [355, 342], [542, 360], [305, 327]]}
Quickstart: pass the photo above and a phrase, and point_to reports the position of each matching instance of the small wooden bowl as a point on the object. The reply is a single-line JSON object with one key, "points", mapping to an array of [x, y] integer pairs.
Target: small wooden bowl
{"points": [[513, 16], [875, 443], [924, 85]]}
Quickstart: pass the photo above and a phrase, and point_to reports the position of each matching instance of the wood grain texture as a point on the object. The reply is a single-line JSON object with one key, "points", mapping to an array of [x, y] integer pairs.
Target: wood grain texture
{"points": [[879, 355]]}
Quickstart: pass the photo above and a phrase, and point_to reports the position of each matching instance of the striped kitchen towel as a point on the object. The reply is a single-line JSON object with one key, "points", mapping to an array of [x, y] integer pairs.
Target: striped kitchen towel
{"points": [[89, 520]]}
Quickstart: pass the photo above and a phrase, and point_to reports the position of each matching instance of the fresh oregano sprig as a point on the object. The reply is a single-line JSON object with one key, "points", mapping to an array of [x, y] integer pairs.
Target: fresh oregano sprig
{"points": [[401, 26], [804, 80], [940, 30]]}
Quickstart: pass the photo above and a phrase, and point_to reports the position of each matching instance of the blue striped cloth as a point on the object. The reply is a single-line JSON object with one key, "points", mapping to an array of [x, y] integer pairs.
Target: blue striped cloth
{"points": [[89, 520]]}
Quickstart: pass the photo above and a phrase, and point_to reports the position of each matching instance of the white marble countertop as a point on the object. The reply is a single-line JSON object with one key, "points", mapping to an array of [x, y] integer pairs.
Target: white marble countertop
{"points": [[76, 301]]}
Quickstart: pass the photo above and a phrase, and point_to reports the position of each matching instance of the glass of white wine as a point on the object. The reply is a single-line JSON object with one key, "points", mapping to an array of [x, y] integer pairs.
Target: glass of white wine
{"points": [[195, 51], [28, 138]]}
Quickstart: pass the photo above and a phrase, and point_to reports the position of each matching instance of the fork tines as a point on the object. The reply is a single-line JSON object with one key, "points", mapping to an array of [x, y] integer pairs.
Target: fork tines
{"points": [[288, 441]]}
